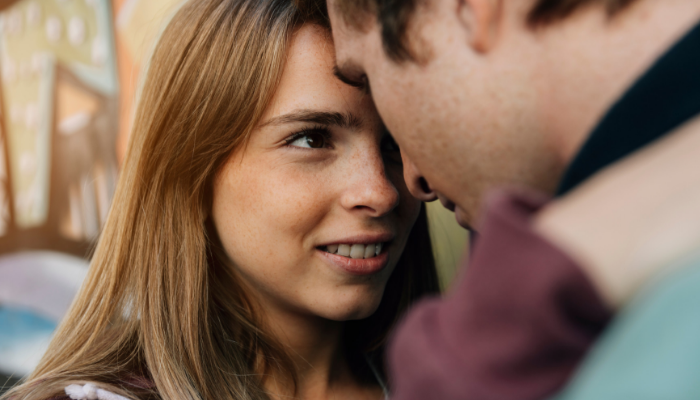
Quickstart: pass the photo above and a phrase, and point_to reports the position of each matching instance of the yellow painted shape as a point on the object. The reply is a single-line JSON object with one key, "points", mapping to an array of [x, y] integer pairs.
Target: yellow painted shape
{"points": [[33, 39], [140, 22], [19, 48], [449, 240], [72, 100]]}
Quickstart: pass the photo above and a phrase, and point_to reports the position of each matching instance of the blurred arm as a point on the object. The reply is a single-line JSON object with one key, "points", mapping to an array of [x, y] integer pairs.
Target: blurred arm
{"points": [[630, 222], [517, 324], [651, 350]]}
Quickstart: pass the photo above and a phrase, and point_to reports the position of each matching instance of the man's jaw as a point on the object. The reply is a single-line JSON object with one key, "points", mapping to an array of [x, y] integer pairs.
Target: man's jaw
{"points": [[447, 203], [461, 217]]}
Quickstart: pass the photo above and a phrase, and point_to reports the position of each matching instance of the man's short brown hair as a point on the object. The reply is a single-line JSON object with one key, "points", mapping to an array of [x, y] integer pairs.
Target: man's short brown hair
{"points": [[394, 16]]}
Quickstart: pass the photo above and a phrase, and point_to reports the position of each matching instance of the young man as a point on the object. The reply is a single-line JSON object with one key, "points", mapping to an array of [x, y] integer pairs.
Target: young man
{"points": [[543, 94]]}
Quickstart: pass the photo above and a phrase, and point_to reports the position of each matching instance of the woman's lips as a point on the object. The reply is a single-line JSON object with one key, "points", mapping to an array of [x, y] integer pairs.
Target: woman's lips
{"points": [[358, 266]]}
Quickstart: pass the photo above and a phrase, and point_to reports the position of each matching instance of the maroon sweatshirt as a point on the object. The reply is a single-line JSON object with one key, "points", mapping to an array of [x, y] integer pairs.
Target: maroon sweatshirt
{"points": [[515, 326]]}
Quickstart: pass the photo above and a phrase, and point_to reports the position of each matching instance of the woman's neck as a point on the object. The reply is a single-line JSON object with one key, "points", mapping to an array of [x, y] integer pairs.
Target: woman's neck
{"points": [[315, 346]]}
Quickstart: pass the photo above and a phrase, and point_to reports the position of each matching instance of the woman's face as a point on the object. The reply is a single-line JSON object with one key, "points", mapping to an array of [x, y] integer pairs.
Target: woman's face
{"points": [[320, 175]]}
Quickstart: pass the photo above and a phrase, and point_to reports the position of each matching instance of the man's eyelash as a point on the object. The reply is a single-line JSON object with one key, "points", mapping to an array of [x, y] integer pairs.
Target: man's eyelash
{"points": [[306, 131]]}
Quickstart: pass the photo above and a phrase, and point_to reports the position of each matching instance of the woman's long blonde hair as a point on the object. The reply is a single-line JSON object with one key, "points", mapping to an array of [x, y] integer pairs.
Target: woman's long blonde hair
{"points": [[160, 303]]}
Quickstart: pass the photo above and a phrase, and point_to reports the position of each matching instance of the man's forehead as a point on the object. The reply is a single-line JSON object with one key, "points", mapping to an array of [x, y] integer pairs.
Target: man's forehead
{"points": [[347, 44], [355, 15], [350, 63], [351, 43]]}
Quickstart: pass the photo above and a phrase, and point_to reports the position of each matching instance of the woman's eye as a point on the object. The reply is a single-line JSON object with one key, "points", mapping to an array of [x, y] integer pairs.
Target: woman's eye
{"points": [[311, 140]]}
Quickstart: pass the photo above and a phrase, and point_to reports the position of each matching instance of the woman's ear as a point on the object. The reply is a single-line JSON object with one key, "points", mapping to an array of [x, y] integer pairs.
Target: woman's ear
{"points": [[480, 19]]}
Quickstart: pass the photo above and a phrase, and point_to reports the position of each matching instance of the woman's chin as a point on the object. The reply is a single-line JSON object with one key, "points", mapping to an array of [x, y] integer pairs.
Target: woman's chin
{"points": [[349, 310]]}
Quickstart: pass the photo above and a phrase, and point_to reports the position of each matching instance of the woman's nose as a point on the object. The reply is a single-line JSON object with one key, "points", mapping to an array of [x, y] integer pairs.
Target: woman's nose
{"points": [[370, 189], [416, 183]]}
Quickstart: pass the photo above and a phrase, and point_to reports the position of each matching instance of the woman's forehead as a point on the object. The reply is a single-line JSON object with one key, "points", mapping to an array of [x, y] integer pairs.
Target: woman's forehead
{"points": [[308, 79]]}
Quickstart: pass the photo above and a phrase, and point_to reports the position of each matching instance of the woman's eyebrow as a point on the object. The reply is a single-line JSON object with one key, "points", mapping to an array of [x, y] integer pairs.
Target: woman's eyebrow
{"points": [[343, 120]]}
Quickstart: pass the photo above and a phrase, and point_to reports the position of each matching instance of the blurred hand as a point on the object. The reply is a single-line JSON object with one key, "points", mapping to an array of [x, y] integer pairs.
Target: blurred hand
{"points": [[634, 220]]}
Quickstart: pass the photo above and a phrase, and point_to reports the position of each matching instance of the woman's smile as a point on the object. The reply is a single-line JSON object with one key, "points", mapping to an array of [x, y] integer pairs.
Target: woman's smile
{"points": [[359, 266], [364, 254], [355, 251]]}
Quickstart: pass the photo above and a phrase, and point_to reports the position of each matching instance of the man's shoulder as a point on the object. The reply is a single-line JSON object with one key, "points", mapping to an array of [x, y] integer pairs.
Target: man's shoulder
{"points": [[652, 349]]}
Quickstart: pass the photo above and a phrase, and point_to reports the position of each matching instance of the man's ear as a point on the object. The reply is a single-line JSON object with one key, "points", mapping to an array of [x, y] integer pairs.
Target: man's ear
{"points": [[481, 19]]}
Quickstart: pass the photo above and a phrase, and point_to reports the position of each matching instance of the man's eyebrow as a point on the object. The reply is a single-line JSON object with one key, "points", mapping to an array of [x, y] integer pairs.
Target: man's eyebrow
{"points": [[343, 77], [327, 118]]}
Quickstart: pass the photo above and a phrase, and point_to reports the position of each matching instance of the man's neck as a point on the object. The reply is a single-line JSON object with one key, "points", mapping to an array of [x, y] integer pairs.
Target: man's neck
{"points": [[597, 58]]}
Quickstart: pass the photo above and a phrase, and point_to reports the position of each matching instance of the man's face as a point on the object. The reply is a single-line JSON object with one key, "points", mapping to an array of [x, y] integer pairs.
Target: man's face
{"points": [[466, 118]]}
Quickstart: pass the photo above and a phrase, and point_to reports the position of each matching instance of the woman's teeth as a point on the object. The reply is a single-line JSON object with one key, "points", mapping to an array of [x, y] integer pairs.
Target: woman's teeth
{"points": [[355, 250]]}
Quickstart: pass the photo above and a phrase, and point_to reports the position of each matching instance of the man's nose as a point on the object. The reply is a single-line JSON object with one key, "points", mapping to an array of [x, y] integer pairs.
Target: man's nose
{"points": [[417, 184]]}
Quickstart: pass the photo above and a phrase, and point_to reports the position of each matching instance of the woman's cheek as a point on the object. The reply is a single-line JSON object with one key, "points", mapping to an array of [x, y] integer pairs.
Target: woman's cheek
{"points": [[298, 201]]}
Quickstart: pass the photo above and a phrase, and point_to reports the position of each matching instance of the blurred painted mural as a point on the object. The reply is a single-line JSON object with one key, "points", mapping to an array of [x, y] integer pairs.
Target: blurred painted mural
{"points": [[70, 73]]}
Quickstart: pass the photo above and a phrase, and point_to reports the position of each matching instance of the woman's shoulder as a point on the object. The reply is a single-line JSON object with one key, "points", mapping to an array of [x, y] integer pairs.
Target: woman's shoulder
{"points": [[95, 391], [90, 391], [98, 391]]}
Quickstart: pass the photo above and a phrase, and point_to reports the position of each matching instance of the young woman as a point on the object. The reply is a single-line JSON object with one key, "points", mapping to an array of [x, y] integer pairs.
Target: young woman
{"points": [[262, 241]]}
